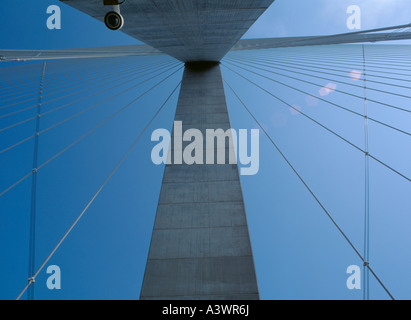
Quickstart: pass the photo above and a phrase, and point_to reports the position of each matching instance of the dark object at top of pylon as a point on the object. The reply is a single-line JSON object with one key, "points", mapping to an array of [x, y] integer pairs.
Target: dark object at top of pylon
{"points": [[201, 65], [112, 2]]}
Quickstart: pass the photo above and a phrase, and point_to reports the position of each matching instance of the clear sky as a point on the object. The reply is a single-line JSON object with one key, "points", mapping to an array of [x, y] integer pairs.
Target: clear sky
{"points": [[298, 253]]}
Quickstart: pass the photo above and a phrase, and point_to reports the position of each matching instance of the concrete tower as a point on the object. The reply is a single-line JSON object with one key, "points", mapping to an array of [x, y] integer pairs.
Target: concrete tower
{"points": [[200, 246]]}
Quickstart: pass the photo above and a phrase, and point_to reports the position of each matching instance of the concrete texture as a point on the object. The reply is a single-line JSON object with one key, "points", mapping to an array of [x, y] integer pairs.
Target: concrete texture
{"points": [[200, 247], [201, 30]]}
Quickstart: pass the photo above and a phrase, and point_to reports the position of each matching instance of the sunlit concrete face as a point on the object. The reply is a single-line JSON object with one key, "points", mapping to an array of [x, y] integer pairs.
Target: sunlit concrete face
{"points": [[189, 30]]}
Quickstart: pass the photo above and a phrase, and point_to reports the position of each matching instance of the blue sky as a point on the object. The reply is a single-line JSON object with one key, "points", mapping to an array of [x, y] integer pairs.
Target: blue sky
{"points": [[298, 253], [318, 17]]}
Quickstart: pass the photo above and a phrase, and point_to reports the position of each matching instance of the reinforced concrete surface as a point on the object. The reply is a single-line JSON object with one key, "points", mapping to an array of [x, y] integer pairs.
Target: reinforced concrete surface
{"points": [[188, 30], [200, 246]]}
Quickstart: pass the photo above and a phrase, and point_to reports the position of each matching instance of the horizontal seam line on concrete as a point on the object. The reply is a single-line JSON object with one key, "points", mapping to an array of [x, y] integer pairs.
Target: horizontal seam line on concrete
{"points": [[213, 227], [204, 295], [201, 258], [228, 180], [197, 181], [200, 202], [213, 113]]}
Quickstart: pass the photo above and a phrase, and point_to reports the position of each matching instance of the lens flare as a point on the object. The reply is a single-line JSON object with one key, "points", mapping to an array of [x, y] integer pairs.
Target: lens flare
{"points": [[311, 100], [355, 75], [295, 110], [329, 88]]}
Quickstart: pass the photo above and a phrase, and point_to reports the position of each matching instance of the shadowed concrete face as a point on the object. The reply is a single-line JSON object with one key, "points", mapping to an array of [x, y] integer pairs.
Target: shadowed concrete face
{"points": [[189, 30], [200, 247]]}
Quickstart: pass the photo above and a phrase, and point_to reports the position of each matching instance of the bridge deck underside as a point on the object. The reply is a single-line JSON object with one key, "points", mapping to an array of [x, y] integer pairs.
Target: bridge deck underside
{"points": [[202, 30]]}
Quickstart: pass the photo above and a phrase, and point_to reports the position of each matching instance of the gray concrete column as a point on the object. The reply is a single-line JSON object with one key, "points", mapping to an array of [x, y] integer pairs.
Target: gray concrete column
{"points": [[200, 246]]}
